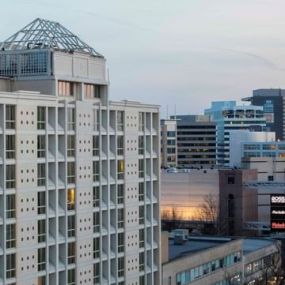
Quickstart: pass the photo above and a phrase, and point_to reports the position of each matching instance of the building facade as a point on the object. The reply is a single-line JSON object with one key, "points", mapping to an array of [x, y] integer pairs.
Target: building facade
{"points": [[242, 144], [221, 261], [79, 174], [168, 143], [272, 101], [196, 141], [229, 116]]}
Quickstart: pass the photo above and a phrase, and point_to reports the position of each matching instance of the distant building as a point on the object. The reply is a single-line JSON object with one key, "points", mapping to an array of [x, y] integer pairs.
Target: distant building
{"points": [[229, 116], [168, 143], [273, 103], [196, 141], [219, 261], [243, 142], [245, 202]]}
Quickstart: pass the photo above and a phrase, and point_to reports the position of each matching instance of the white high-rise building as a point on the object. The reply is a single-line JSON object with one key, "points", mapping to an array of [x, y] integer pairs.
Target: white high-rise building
{"points": [[79, 187]]}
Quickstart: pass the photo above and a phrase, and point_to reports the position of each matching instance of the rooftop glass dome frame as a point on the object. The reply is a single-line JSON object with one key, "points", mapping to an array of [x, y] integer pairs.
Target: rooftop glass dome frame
{"points": [[45, 34]]}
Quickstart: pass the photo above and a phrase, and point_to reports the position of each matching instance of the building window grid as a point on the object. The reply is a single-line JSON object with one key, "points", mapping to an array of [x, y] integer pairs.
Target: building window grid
{"points": [[10, 176], [10, 236], [41, 118], [70, 119], [10, 206], [96, 171], [96, 145], [41, 143], [41, 174], [120, 145], [120, 121], [41, 259], [120, 193], [70, 146], [71, 253], [71, 226], [41, 203], [10, 147], [10, 117], [10, 265], [41, 231], [70, 172]]}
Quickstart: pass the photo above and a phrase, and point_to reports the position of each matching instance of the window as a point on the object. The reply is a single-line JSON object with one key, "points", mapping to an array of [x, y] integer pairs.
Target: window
{"points": [[71, 226], [96, 247], [121, 169], [71, 277], [141, 122], [120, 218], [141, 261], [96, 273], [70, 146], [121, 240], [231, 180], [41, 174], [71, 199], [141, 238], [96, 120], [65, 88], [10, 117], [41, 146], [41, 231], [96, 171], [96, 196], [120, 145], [120, 195], [41, 259], [41, 116], [141, 215], [120, 120], [41, 203], [10, 236], [96, 222], [71, 253], [11, 265], [70, 172], [71, 119], [41, 280], [141, 191], [92, 91], [142, 280], [141, 145], [270, 178], [121, 266], [10, 147], [10, 176], [10, 206], [141, 168], [96, 143]]}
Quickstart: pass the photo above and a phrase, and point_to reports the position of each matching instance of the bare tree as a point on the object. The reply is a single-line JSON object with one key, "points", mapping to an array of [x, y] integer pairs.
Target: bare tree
{"points": [[209, 209]]}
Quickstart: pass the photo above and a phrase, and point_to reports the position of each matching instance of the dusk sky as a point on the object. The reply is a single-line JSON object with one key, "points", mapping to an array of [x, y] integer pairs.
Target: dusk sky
{"points": [[183, 52]]}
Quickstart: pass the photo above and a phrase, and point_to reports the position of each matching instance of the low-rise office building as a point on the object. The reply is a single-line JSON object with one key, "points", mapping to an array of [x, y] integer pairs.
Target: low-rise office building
{"points": [[220, 261]]}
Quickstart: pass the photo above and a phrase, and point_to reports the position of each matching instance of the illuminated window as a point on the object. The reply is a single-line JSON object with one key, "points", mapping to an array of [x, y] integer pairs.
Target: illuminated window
{"points": [[121, 169], [71, 199], [65, 88]]}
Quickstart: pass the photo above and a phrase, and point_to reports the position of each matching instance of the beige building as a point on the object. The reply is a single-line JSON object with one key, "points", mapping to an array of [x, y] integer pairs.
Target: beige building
{"points": [[219, 261]]}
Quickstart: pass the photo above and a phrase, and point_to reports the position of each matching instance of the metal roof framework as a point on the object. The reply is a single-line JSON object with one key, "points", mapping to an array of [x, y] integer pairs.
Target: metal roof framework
{"points": [[45, 34]]}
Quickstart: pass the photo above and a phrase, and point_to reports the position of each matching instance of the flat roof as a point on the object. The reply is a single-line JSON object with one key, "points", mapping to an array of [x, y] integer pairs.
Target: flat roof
{"points": [[197, 244]]}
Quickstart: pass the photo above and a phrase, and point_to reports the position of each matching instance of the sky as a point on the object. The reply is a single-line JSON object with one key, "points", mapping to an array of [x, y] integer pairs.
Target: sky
{"points": [[179, 54]]}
